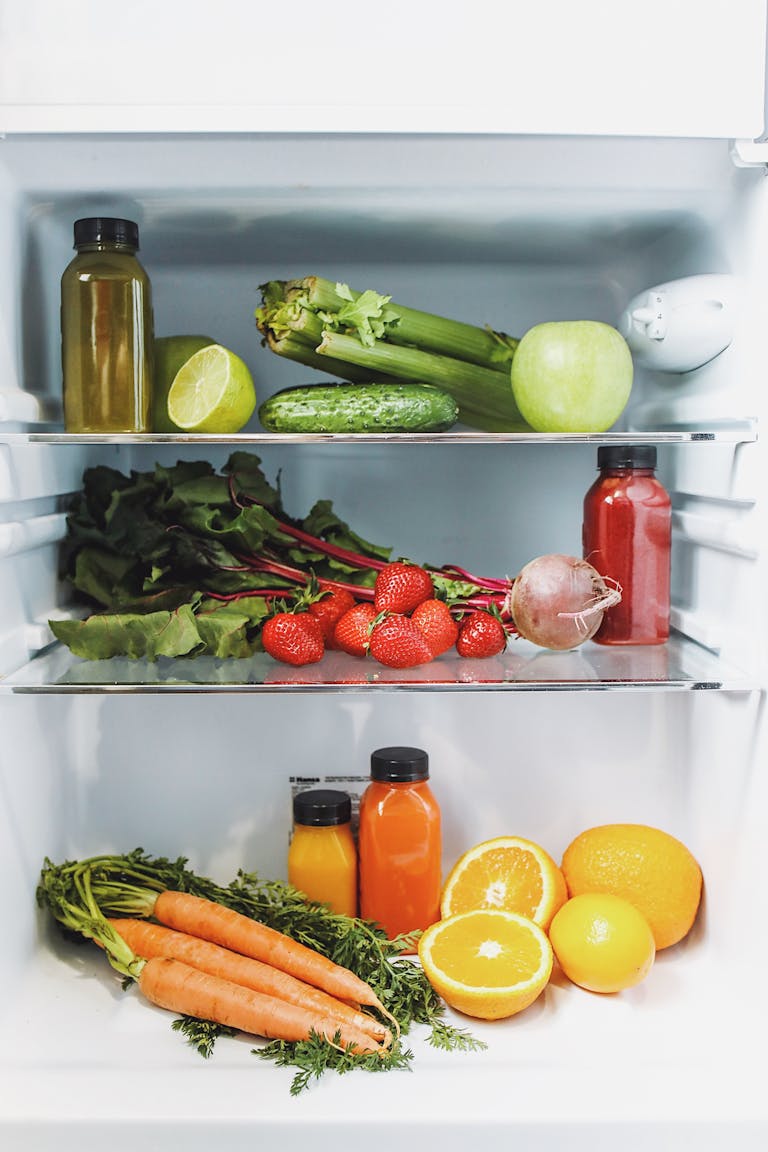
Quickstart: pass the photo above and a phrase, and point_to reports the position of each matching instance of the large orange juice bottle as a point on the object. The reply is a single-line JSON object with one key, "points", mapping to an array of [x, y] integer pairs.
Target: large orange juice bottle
{"points": [[399, 843], [322, 858]]}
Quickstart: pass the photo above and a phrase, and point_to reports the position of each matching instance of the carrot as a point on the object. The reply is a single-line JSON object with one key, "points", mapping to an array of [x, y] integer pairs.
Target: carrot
{"points": [[221, 925], [180, 988], [153, 940]]}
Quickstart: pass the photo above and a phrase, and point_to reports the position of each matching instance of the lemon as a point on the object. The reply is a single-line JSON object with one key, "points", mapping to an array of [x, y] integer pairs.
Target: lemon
{"points": [[213, 391], [509, 873], [170, 353], [602, 942], [488, 964]]}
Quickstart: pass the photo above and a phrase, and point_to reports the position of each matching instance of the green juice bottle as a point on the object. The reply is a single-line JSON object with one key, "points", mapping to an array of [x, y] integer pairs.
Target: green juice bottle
{"points": [[106, 330]]}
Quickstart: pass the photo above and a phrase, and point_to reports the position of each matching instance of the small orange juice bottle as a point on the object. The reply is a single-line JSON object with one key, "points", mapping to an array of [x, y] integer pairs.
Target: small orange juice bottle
{"points": [[322, 858]]}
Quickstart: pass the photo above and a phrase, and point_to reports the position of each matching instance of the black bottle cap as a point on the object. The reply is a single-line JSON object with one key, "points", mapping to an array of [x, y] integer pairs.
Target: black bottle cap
{"points": [[626, 456], [106, 230], [399, 764], [322, 807]]}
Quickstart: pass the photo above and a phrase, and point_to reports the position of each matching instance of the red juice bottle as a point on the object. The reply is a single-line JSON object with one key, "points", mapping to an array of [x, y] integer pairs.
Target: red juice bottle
{"points": [[626, 536]]}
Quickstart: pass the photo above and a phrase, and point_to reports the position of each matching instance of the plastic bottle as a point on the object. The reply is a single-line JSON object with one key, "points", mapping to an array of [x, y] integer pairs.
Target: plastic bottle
{"points": [[322, 858], [400, 843], [106, 330], [626, 536]]}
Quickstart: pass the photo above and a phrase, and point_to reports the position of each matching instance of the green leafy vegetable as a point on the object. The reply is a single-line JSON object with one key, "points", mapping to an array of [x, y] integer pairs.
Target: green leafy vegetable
{"points": [[184, 561], [132, 634]]}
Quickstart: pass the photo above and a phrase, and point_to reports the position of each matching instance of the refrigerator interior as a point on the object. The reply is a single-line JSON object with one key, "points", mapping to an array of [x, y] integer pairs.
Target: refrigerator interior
{"points": [[508, 231]]}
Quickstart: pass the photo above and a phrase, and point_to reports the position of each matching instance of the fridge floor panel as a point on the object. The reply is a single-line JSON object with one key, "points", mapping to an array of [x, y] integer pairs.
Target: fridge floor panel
{"points": [[666, 1063]]}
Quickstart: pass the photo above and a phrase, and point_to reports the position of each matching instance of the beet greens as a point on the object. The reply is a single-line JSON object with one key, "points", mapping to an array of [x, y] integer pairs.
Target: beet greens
{"points": [[185, 561]]}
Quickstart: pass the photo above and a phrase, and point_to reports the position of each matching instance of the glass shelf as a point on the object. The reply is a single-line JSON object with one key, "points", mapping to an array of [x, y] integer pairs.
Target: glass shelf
{"points": [[735, 431], [678, 665]]}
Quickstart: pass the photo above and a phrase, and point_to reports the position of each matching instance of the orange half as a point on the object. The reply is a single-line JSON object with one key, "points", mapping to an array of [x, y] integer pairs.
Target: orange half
{"points": [[487, 964], [508, 874]]}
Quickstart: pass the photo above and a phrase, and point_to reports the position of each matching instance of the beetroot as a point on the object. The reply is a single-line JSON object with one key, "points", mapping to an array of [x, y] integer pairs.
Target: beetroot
{"points": [[558, 601]]}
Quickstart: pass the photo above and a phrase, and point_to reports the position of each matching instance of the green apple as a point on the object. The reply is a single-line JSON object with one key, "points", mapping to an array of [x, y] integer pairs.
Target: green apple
{"points": [[170, 353], [572, 376]]}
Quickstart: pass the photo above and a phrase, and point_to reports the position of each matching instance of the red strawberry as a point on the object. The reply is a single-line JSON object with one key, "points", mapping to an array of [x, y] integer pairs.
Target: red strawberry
{"points": [[434, 619], [293, 638], [328, 609], [352, 630], [399, 643], [481, 634], [400, 587]]}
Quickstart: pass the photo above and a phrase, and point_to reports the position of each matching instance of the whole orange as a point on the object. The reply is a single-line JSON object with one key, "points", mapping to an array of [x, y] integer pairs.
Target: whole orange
{"points": [[644, 865]]}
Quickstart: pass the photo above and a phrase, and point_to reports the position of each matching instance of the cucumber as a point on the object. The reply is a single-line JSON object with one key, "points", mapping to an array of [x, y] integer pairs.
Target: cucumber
{"points": [[352, 408]]}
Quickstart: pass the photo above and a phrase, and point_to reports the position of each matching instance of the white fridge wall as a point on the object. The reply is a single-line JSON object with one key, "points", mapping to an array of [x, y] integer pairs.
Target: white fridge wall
{"points": [[666, 69]]}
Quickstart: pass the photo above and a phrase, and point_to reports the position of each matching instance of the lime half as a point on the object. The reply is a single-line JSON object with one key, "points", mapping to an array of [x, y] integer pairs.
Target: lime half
{"points": [[170, 353], [212, 392]]}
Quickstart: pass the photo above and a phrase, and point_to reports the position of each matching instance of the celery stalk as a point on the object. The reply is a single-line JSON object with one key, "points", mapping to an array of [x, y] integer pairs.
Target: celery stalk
{"points": [[290, 318], [483, 394], [411, 326], [292, 347]]}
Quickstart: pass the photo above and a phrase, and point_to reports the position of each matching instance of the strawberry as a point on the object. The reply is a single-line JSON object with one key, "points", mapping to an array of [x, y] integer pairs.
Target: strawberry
{"points": [[401, 586], [481, 634], [352, 630], [293, 638], [434, 619], [399, 643], [328, 609]]}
